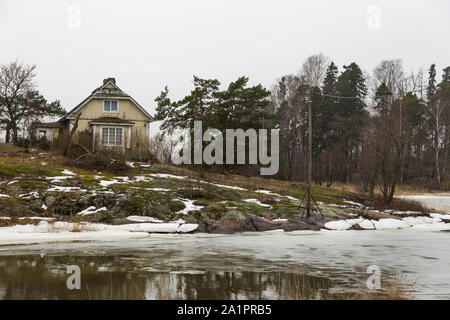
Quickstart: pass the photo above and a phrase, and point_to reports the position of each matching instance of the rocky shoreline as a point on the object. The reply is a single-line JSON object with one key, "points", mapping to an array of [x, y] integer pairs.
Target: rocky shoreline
{"points": [[159, 198]]}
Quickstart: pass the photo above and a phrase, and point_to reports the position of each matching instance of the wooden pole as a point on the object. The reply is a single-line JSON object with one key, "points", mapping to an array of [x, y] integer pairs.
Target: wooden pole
{"points": [[308, 201]]}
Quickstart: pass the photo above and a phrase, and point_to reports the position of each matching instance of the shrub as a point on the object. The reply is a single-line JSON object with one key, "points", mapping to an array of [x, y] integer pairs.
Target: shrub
{"points": [[157, 149], [103, 160], [41, 142]]}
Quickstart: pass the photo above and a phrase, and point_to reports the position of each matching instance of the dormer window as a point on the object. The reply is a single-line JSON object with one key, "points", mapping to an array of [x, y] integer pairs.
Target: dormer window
{"points": [[111, 106]]}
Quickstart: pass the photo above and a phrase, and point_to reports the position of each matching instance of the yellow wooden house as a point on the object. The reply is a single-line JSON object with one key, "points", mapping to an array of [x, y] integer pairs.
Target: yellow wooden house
{"points": [[111, 115]]}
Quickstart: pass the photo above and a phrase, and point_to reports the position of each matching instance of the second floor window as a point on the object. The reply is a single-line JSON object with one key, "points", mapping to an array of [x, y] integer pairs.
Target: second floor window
{"points": [[110, 106]]}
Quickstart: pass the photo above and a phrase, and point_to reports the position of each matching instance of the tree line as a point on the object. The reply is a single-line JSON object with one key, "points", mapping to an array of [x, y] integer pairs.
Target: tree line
{"points": [[374, 130]]}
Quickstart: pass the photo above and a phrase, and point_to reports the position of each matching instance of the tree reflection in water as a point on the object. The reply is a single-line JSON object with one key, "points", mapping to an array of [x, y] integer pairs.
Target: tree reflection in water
{"points": [[113, 277]]}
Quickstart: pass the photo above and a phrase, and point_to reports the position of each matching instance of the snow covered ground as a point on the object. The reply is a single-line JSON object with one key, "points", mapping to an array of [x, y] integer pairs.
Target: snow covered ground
{"points": [[433, 222], [60, 231]]}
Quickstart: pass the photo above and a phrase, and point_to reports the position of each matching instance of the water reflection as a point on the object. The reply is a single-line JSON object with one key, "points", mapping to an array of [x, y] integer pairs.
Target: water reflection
{"points": [[106, 277], [254, 266]]}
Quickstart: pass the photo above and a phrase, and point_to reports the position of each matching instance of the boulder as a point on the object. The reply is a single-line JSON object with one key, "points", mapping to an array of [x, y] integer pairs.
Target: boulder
{"points": [[49, 201]]}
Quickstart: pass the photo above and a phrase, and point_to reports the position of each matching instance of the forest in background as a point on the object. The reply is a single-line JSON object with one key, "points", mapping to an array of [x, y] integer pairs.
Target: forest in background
{"points": [[376, 131]]}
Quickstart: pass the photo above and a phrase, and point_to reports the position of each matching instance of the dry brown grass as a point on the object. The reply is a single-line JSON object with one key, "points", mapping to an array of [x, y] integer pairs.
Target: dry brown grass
{"points": [[399, 205], [12, 221], [298, 287], [71, 227]]}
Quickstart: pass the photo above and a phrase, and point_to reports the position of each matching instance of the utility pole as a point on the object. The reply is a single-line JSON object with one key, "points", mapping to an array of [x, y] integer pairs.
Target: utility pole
{"points": [[308, 201]]}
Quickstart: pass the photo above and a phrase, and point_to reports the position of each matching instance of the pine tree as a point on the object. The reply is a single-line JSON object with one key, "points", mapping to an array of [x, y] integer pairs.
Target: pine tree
{"points": [[382, 96], [431, 88], [351, 89]]}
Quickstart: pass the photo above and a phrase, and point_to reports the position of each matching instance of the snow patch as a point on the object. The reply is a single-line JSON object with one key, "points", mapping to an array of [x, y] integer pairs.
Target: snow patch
{"points": [[256, 201], [143, 219], [189, 206], [338, 225], [105, 183], [65, 189], [91, 210], [390, 224]]}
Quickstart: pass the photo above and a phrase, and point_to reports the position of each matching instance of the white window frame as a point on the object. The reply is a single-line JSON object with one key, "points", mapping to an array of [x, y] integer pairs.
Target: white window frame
{"points": [[108, 144], [110, 111]]}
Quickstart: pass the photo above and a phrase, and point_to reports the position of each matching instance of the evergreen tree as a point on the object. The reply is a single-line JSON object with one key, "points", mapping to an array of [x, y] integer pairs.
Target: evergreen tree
{"points": [[382, 96], [352, 90], [431, 88]]}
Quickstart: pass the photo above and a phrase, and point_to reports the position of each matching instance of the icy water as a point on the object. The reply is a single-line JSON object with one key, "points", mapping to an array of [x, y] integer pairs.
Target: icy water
{"points": [[245, 266], [439, 202]]}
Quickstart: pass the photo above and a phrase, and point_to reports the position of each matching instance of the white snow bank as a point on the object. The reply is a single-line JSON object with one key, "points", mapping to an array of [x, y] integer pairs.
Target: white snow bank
{"points": [[366, 225], [440, 216], [390, 224], [275, 194], [143, 219], [148, 227], [33, 194], [402, 213], [124, 180], [58, 178], [189, 206], [256, 201], [432, 227], [153, 189], [166, 176], [227, 187], [338, 225], [4, 196], [91, 210], [66, 189], [420, 220], [68, 172], [187, 227], [355, 204], [105, 183], [37, 218], [67, 231], [8, 238]]}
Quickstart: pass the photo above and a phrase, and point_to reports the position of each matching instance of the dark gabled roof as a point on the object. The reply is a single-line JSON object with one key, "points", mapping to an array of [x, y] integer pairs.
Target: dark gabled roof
{"points": [[47, 125], [111, 120], [103, 92]]}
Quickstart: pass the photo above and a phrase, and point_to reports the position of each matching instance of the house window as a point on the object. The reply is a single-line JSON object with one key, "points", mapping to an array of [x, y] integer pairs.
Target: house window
{"points": [[112, 136], [110, 106]]}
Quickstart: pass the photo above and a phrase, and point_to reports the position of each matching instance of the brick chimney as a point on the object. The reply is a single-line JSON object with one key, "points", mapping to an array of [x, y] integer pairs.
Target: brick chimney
{"points": [[113, 80]]}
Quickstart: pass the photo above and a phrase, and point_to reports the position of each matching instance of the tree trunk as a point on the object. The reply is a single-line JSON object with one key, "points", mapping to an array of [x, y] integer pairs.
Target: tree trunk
{"points": [[436, 154], [71, 133], [8, 133], [391, 194], [15, 134]]}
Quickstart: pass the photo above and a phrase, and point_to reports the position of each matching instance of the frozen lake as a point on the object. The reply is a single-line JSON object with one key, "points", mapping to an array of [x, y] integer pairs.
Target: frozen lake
{"points": [[439, 201], [245, 266], [242, 266]]}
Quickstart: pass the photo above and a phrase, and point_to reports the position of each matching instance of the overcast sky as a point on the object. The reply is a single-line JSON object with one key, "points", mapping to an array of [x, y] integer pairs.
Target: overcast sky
{"points": [[146, 45]]}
